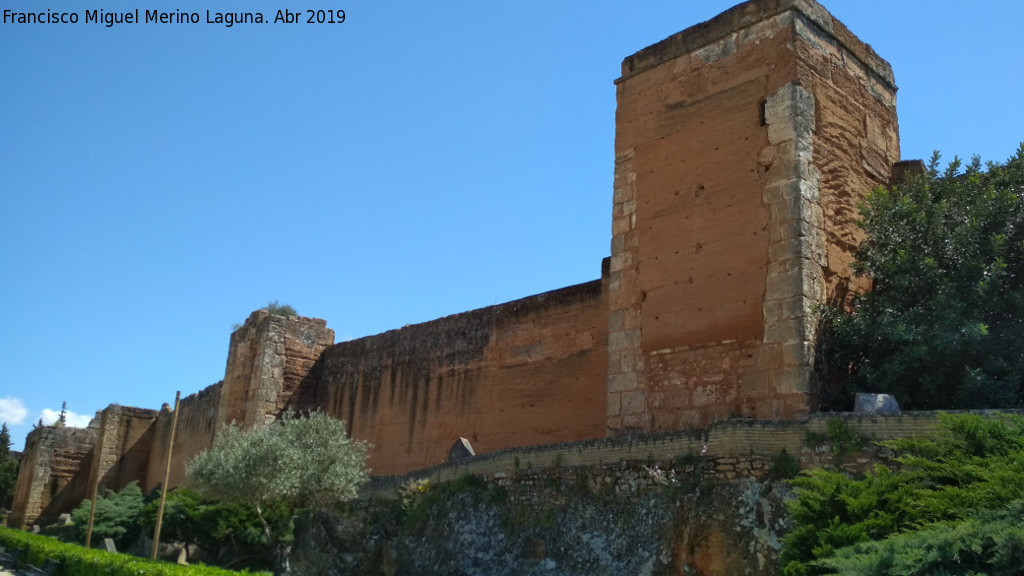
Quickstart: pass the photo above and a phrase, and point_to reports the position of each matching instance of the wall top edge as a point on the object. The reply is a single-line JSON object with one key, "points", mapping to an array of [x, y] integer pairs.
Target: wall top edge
{"points": [[567, 295], [700, 435], [744, 16]]}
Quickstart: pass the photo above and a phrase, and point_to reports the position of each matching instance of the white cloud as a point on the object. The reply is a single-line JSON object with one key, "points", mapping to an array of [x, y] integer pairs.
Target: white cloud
{"points": [[73, 420], [12, 411]]}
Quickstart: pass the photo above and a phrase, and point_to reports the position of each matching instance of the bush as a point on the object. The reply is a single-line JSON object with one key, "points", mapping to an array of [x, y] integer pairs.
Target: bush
{"points": [[969, 476], [228, 534], [280, 309], [77, 561], [116, 516], [296, 463]]}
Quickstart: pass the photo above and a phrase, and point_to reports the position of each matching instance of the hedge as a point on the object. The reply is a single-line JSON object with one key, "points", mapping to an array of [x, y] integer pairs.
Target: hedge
{"points": [[78, 561]]}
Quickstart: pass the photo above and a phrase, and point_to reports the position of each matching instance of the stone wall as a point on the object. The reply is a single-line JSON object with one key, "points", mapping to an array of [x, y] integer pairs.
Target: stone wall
{"points": [[742, 148], [708, 502], [268, 358], [54, 473], [722, 442], [526, 372], [121, 453]]}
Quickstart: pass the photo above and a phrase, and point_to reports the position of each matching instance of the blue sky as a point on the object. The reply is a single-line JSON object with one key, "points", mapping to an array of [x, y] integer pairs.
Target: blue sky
{"points": [[158, 182]]}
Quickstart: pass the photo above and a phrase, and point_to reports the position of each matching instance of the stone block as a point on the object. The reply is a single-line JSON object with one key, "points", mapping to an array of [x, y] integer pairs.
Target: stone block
{"points": [[876, 404], [622, 382], [614, 404], [786, 330], [621, 261], [791, 380], [785, 285], [618, 243], [623, 340], [789, 114], [796, 307], [615, 319], [801, 247], [797, 353], [634, 402]]}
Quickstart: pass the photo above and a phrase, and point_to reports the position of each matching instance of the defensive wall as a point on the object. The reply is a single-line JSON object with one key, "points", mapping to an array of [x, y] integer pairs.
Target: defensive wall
{"points": [[742, 147]]}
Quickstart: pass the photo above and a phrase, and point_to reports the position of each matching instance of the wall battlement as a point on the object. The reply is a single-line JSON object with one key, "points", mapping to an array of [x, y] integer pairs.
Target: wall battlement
{"points": [[742, 148]]}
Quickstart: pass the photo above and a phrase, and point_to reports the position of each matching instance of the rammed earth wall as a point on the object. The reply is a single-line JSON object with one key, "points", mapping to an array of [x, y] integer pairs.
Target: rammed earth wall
{"points": [[516, 374]]}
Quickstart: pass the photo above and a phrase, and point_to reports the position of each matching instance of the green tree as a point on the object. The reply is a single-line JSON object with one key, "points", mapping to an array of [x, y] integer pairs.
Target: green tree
{"points": [[228, 533], [968, 477], [943, 326], [117, 516], [62, 418], [293, 463], [8, 470]]}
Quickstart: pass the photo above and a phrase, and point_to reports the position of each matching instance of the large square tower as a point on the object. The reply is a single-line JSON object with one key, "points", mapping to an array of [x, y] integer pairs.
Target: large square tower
{"points": [[743, 146]]}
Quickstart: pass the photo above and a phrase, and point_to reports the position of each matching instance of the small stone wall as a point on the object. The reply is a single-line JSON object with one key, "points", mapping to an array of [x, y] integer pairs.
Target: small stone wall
{"points": [[742, 444]]}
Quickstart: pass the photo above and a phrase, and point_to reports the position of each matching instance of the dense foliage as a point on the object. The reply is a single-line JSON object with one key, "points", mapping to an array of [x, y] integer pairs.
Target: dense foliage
{"points": [[294, 463], [116, 516], [956, 495], [228, 534], [77, 561], [943, 326], [8, 470]]}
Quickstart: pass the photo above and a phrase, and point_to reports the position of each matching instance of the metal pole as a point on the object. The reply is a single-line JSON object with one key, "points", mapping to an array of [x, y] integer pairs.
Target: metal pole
{"points": [[167, 477]]}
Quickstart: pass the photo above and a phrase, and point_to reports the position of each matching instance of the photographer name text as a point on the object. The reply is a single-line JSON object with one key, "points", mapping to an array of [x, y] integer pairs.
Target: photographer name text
{"points": [[226, 19]]}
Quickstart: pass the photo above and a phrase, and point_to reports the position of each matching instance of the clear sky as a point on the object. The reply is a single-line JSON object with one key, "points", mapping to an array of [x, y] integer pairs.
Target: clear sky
{"points": [[158, 182]]}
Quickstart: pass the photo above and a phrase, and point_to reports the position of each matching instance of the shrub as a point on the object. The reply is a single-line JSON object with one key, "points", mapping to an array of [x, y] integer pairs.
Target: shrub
{"points": [[116, 517], [78, 561], [280, 309], [966, 476]]}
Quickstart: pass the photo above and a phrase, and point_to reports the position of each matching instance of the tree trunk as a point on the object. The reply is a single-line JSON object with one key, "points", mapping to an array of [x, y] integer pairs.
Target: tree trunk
{"points": [[281, 565]]}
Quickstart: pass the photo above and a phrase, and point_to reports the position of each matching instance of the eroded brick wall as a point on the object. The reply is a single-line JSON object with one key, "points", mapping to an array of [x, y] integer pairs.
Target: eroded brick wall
{"points": [[526, 372]]}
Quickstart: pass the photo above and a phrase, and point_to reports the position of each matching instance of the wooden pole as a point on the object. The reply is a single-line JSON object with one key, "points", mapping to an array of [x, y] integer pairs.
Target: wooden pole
{"points": [[167, 478], [96, 485]]}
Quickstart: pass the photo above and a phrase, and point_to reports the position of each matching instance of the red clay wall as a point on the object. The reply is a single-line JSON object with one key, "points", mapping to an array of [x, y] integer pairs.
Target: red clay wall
{"points": [[522, 373]]}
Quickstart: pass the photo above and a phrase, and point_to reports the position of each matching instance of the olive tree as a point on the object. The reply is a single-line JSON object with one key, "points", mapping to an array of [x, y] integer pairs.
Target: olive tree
{"points": [[295, 463]]}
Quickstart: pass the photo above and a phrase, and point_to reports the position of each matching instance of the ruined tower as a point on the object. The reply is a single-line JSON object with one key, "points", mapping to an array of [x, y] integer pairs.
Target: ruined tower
{"points": [[742, 148]]}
